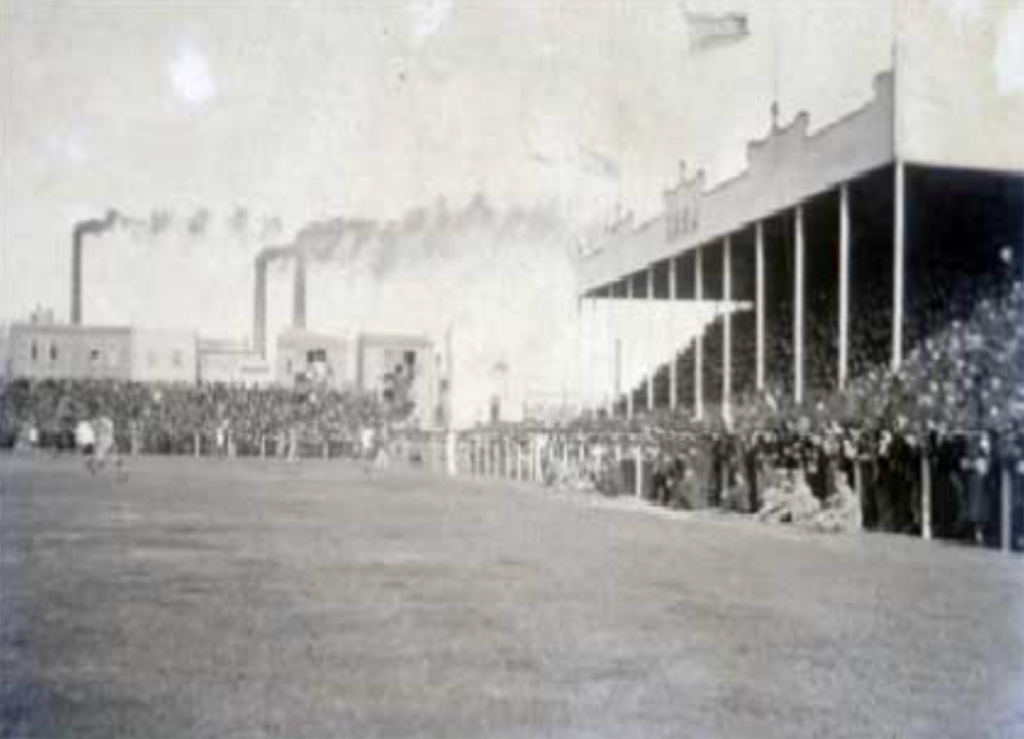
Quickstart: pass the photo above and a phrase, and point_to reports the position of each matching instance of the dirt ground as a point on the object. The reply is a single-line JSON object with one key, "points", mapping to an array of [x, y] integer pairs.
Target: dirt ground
{"points": [[230, 598]]}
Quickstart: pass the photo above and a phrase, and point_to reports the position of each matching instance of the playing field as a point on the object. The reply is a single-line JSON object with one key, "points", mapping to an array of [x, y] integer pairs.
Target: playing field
{"points": [[218, 598]]}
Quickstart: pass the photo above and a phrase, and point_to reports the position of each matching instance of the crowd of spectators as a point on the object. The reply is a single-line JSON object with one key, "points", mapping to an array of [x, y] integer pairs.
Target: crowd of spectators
{"points": [[190, 419], [954, 414], [951, 419]]}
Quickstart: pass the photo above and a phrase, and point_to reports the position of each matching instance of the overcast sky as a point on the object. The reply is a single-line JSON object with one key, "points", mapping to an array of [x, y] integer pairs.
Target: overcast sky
{"points": [[312, 108], [304, 109]]}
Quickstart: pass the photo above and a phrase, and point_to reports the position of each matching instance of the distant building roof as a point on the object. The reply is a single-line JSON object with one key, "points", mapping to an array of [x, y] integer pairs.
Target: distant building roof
{"points": [[393, 339]]}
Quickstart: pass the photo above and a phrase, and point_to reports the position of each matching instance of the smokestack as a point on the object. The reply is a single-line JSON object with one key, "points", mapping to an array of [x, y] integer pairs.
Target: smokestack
{"points": [[259, 306], [299, 291], [317, 240], [259, 315], [91, 227]]}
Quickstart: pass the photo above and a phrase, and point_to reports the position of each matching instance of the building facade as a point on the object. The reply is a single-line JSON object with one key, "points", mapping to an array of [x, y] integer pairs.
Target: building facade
{"points": [[232, 363], [64, 351], [163, 356], [309, 357]]}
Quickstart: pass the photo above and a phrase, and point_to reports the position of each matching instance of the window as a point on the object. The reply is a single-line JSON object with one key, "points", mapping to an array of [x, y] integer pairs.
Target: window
{"points": [[94, 355], [316, 355], [53, 352], [410, 358], [35, 351]]}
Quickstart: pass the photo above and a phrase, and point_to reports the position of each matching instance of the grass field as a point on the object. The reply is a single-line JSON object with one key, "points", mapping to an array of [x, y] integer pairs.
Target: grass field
{"points": [[217, 598]]}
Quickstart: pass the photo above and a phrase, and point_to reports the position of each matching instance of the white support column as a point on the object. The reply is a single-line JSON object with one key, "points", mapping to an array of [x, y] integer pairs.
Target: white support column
{"points": [[673, 368], [617, 379], [898, 249], [798, 313], [650, 370], [759, 302], [926, 495], [1006, 508], [629, 389], [698, 354], [844, 286], [582, 360], [727, 329]]}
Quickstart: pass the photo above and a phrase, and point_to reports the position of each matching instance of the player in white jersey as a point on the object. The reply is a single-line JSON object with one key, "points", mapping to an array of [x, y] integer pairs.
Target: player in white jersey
{"points": [[105, 446], [85, 437]]}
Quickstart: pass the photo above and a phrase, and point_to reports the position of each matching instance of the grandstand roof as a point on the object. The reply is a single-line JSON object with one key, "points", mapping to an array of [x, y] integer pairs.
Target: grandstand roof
{"points": [[784, 168]]}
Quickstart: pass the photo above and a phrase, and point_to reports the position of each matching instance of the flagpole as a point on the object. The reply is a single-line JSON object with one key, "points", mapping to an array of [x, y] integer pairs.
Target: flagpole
{"points": [[899, 201]]}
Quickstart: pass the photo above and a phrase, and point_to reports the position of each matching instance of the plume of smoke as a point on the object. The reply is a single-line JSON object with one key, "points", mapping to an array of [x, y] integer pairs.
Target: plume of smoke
{"points": [[504, 279], [199, 222], [160, 221], [240, 221], [271, 228], [96, 226]]}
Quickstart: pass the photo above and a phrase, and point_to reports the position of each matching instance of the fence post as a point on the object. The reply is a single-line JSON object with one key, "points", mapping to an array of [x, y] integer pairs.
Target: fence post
{"points": [[538, 457], [926, 496], [507, 448], [638, 481], [1006, 508], [527, 444], [451, 450], [533, 458], [263, 446], [197, 444]]}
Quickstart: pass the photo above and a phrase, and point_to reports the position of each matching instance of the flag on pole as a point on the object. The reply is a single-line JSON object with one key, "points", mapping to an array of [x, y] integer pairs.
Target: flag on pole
{"points": [[707, 31]]}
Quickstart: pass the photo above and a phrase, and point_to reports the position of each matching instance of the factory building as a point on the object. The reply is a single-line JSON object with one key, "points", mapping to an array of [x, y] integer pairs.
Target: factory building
{"points": [[46, 350], [232, 362], [310, 357]]}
